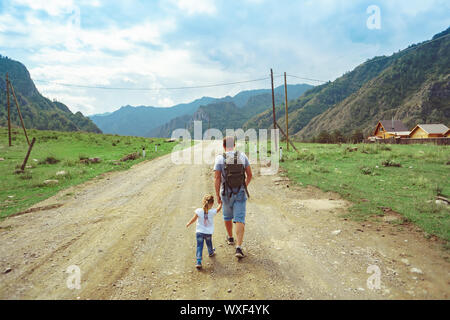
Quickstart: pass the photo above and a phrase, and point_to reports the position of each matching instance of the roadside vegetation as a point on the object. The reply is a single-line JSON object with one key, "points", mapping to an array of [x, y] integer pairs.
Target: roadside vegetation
{"points": [[376, 178], [62, 159]]}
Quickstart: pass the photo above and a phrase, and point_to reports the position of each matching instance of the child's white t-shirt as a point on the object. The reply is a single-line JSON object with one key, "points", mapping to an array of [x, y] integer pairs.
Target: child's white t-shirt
{"points": [[207, 228]]}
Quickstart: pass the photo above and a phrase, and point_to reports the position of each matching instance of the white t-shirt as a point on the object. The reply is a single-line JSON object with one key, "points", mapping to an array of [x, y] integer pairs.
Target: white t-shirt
{"points": [[206, 227], [219, 165]]}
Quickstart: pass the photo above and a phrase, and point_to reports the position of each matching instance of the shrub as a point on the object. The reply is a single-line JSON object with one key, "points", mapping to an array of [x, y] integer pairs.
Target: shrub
{"points": [[26, 176], [306, 156], [366, 170], [421, 182], [49, 160], [390, 163], [320, 169]]}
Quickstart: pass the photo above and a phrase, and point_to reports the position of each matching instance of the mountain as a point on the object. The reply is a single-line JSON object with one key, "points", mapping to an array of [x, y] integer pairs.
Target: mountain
{"points": [[138, 121], [411, 85], [231, 112], [37, 111], [414, 88]]}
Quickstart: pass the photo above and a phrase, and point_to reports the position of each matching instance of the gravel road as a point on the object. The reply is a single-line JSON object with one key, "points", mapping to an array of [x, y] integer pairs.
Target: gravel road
{"points": [[126, 232]]}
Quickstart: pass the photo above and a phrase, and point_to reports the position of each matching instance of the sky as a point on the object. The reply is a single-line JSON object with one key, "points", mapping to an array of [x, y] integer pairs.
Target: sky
{"points": [[177, 43]]}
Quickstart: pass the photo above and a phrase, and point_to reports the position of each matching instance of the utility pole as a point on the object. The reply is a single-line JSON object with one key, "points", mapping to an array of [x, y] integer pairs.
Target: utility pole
{"points": [[273, 101], [9, 110], [273, 108], [286, 105], [20, 114]]}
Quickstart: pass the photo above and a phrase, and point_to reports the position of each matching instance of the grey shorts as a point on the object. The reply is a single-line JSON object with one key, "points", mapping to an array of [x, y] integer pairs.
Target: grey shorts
{"points": [[234, 207]]}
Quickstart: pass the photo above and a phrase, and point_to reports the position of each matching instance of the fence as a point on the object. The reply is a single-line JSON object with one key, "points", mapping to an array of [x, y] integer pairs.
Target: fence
{"points": [[436, 141]]}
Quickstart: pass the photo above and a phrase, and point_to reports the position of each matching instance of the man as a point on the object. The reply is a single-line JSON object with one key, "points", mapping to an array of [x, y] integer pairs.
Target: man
{"points": [[234, 197]]}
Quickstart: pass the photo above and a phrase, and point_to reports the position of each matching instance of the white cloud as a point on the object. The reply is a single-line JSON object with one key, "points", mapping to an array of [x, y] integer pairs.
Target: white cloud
{"points": [[155, 50], [197, 6], [52, 7]]}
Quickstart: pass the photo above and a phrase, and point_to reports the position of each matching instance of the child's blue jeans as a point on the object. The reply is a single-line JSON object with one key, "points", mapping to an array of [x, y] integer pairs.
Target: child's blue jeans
{"points": [[201, 238]]}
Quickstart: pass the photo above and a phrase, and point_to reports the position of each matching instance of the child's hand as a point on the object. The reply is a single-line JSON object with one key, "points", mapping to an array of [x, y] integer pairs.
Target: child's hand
{"points": [[194, 218], [219, 207]]}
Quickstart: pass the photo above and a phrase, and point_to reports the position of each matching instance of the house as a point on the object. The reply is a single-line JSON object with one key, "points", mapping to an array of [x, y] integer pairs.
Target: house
{"points": [[386, 129], [423, 131]]}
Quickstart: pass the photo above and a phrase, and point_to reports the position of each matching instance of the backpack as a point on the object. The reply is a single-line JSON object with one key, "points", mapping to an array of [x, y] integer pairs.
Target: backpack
{"points": [[234, 175]]}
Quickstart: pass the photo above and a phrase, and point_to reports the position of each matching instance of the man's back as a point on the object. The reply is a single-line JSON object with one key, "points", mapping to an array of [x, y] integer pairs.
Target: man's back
{"points": [[220, 165]]}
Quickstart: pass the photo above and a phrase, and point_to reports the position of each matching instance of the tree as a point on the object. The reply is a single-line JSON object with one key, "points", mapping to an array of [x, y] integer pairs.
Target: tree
{"points": [[337, 137], [357, 136], [324, 137]]}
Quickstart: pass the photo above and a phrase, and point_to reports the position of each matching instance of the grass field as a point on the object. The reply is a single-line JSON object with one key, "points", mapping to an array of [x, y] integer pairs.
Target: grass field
{"points": [[370, 179], [62, 151]]}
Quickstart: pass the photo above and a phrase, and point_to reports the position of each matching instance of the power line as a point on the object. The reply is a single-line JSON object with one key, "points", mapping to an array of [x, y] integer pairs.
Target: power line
{"points": [[153, 89], [408, 49], [309, 79], [228, 83], [380, 58]]}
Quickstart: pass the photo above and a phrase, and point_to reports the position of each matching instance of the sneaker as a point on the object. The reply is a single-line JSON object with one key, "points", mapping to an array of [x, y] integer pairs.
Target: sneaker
{"points": [[198, 265], [214, 253], [230, 240], [239, 253]]}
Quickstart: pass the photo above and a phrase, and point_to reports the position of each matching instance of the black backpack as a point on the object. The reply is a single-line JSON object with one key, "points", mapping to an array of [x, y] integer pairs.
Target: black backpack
{"points": [[234, 175]]}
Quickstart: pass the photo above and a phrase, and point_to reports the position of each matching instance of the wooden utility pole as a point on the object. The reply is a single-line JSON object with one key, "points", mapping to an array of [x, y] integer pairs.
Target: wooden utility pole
{"points": [[9, 110], [273, 108], [286, 105], [20, 114], [282, 132], [273, 101], [28, 154]]}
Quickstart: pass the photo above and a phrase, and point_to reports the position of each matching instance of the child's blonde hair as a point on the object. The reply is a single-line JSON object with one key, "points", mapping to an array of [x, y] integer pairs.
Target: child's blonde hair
{"points": [[207, 200]]}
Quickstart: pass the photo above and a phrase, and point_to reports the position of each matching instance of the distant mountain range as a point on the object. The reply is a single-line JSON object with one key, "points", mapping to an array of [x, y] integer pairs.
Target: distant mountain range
{"points": [[38, 112], [160, 122], [412, 85]]}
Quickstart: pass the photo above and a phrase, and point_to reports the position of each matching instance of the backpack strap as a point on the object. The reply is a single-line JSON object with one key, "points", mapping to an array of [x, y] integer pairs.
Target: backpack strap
{"points": [[224, 183]]}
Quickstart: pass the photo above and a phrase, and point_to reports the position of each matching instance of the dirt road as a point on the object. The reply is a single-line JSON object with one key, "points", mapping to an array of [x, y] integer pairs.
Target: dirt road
{"points": [[126, 232]]}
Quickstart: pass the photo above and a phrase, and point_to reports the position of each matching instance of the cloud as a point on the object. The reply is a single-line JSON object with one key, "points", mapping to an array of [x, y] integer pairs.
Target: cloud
{"points": [[196, 6], [161, 44], [51, 7]]}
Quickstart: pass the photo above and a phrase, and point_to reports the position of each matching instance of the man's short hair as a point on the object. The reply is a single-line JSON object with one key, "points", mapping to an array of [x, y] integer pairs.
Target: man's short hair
{"points": [[228, 142]]}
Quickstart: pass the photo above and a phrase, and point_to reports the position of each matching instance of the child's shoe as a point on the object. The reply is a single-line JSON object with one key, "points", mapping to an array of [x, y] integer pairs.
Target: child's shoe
{"points": [[213, 254], [198, 265]]}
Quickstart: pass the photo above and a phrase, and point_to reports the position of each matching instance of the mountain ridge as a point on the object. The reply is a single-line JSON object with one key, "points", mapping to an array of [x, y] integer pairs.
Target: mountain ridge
{"points": [[150, 121], [324, 108], [38, 112], [231, 114]]}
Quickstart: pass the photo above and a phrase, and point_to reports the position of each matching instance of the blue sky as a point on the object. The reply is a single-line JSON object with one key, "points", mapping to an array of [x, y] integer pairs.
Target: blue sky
{"points": [[174, 43]]}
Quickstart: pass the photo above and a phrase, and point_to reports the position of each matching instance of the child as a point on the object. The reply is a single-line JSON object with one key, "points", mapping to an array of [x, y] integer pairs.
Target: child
{"points": [[205, 227]]}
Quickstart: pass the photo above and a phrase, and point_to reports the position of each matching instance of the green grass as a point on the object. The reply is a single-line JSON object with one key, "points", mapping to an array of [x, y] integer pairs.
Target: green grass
{"points": [[62, 151], [409, 183]]}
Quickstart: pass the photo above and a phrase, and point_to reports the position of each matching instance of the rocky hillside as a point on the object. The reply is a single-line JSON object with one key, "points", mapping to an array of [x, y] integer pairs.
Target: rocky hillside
{"points": [[38, 112], [231, 112], [411, 85]]}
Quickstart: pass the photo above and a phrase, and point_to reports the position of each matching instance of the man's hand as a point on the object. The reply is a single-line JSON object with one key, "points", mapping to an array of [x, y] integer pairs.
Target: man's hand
{"points": [[249, 175], [217, 181]]}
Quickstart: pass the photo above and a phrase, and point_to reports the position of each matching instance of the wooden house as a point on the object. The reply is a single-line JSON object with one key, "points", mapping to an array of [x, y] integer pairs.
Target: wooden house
{"points": [[386, 129], [424, 131]]}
